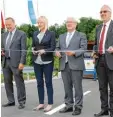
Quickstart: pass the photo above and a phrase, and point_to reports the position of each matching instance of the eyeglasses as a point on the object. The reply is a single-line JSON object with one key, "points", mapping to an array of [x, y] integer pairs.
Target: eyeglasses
{"points": [[104, 12]]}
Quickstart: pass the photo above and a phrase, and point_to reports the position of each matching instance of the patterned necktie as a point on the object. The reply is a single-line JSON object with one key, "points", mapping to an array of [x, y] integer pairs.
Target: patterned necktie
{"points": [[68, 39], [102, 40], [7, 46]]}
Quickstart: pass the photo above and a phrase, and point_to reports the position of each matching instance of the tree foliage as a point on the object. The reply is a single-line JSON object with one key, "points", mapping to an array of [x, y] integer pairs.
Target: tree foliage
{"points": [[28, 29], [87, 25], [58, 30], [29, 53]]}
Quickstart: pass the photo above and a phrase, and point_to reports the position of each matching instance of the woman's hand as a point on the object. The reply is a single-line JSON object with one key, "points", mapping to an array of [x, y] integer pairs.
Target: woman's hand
{"points": [[41, 52]]}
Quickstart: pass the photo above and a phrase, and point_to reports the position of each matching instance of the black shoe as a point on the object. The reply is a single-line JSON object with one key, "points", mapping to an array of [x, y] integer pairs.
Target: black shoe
{"points": [[8, 104], [111, 115], [76, 111], [21, 106], [66, 109], [102, 113]]}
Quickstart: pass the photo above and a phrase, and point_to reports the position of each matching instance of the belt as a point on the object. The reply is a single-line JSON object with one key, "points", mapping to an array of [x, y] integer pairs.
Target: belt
{"points": [[7, 57]]}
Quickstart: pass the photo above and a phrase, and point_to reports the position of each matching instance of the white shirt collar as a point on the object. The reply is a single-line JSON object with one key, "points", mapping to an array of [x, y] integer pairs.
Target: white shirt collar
{"points": [[13, 31], [108, 23], [71, 32]]}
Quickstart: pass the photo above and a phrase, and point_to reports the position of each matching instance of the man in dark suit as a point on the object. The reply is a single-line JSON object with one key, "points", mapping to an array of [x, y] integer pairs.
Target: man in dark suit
{"points": [[104, 60], [13, 60], [72, 45]]}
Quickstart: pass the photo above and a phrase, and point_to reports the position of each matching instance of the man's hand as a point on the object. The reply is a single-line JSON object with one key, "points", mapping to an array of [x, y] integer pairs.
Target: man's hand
{"points": [[110, 49], [2, 53], [21, 66], [69, 53], [58, 54], [94, 55]]}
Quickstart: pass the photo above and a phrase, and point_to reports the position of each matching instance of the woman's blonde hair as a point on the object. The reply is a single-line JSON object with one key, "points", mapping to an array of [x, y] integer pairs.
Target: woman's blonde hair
{"points": [[45, 20]]}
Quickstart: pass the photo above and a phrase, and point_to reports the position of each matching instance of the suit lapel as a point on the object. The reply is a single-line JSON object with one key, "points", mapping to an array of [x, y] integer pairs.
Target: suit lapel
{"points": [[46, 33], [14, 37], [64, 39], [5, 37], [109, 30], [36, 37], [73, 37], [98, 33]]}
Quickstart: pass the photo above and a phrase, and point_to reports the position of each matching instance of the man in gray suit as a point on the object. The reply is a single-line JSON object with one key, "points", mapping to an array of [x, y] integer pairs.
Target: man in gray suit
{"points": [[104, 60], [70, 50], [13, 60]]}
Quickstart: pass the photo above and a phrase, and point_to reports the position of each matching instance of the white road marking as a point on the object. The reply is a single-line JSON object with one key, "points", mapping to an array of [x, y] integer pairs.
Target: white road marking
{"points": [[30, 81], [62, 106]]}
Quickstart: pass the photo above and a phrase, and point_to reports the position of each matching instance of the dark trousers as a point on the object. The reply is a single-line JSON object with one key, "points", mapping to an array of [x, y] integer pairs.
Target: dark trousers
{"points": [[105, 77], [47, 69], [9, 71]]}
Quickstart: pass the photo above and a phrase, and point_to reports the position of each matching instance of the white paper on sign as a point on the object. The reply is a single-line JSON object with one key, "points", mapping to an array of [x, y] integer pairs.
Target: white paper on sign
{"points": [[89, 65]]}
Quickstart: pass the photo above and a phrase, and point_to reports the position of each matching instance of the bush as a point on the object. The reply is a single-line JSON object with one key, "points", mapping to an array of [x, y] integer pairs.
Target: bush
{"points": [[29, 53]]}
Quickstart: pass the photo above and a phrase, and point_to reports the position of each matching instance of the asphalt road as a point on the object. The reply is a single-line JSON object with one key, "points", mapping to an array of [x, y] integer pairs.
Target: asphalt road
{"points": [[91, 101]]}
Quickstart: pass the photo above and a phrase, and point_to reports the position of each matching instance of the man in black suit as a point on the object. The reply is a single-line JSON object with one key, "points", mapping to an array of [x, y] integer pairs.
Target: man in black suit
{"points": [[104, 60], [13, 60]]}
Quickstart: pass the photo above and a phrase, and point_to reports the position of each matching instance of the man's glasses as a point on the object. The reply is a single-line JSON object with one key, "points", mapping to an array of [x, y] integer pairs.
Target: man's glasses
{"points": [[104, 12]]}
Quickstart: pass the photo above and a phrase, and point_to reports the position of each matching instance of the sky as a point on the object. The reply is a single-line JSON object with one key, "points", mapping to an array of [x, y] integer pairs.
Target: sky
{"points": [[55, 10]]}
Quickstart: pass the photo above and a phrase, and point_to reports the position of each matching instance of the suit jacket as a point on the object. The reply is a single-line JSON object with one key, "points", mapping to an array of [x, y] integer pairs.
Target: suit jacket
{"points": [[108, 43], [78, 43], [47, 43], [18, 43]]}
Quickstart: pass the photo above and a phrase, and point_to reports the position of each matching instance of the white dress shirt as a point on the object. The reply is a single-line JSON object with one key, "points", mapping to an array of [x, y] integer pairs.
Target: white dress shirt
{"points": [[68, 39], [105, 34], [13, 32]]}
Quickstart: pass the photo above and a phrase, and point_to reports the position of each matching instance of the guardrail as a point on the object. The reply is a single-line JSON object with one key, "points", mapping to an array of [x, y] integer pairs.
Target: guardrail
{"points": [[26, 70]]}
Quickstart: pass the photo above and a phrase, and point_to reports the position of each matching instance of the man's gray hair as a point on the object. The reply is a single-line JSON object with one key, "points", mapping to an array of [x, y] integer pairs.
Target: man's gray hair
{"points": [[10, 18]]}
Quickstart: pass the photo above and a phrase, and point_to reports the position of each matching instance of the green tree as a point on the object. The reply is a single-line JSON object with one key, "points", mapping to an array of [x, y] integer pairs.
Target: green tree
{"points": [[58, 30], [29, 53], [28, 29], [86, 25], [92, 35]]}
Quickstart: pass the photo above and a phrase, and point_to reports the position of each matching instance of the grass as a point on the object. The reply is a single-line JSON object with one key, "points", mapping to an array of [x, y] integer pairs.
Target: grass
{"points": [[31, 76]]}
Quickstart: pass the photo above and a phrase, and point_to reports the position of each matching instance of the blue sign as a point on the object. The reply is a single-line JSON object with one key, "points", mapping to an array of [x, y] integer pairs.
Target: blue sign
{"points": [[31, 12]]}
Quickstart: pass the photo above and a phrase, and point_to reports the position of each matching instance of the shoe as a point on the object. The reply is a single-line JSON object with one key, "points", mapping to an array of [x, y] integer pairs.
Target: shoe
{"points": [[39, 107], [102, 113], [66, 109], [48, 108], [21, 106], [8, 104], [111, 115], [76, 111]]}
